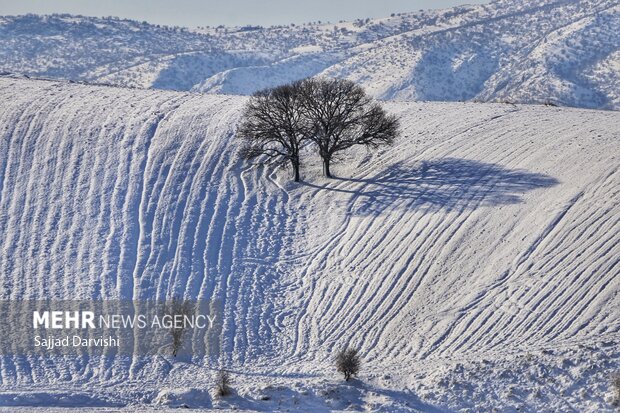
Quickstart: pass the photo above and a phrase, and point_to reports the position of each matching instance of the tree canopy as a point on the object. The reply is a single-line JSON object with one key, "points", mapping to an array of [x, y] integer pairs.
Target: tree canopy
{"points": [[332, 114]]}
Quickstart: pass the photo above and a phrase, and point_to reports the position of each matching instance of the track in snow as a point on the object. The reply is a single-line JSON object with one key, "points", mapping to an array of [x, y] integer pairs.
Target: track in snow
{"points": [[485, 229]]}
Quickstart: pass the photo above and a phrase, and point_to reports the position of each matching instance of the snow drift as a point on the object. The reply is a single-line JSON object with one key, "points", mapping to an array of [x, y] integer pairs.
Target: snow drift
{"points": [[485, 232]]}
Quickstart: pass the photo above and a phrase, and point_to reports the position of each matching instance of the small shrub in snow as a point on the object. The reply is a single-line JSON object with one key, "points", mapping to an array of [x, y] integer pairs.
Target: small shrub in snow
{"points": [[175, 308], [223, 383], [348, 363]]}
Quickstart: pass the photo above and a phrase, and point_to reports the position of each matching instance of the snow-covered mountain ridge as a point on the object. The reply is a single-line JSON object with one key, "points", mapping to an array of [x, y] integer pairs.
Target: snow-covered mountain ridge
{"points": [[474, 263], [533, 51]]}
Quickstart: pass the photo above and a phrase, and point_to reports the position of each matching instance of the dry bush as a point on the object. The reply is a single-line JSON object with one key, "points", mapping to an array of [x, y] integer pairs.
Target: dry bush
{"points": [[178, 307], [223, 383], [348, 363]]}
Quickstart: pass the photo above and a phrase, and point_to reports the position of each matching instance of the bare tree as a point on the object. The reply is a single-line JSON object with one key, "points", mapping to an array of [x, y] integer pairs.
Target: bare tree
{"points": [[343, 115], [174, 309], [274, 126], [348, 362]]}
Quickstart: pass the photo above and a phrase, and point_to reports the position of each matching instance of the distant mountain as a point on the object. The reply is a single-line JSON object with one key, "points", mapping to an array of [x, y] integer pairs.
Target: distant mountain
{"points": [[533, 51]]}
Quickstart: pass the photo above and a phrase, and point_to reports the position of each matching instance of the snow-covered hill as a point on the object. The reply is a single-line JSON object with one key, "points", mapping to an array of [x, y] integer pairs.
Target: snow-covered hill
{"points": [[475, 263], [532, 51]]}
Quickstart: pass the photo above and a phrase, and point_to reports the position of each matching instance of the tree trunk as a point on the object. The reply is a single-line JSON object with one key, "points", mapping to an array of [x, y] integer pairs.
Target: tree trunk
{"points": [[326, 170], [295, 169]]}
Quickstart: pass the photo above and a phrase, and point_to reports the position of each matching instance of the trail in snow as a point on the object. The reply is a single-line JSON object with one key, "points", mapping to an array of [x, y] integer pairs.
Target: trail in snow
{"points": [[485, 231]]}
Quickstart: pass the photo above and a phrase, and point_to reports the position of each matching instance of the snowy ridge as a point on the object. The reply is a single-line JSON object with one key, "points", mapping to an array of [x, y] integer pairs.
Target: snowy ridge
{"points": [[535, 51], [485, 233]]}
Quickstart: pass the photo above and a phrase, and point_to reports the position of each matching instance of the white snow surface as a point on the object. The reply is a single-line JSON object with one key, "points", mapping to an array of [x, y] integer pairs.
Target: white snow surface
{"points": [[475, 263], [521, 51]]}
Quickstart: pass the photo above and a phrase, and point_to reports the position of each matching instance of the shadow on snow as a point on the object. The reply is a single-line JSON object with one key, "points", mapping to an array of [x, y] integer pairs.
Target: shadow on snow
{"points": [[442, 184]]}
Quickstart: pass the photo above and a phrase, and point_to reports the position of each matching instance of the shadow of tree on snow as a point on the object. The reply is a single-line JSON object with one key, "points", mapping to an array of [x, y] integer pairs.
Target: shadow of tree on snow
{"points": [[443, 184]]}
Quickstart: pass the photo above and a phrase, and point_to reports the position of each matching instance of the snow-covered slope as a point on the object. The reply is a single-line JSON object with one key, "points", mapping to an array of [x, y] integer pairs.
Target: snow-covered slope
{"points": [[479, 254], [532, 51]]}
